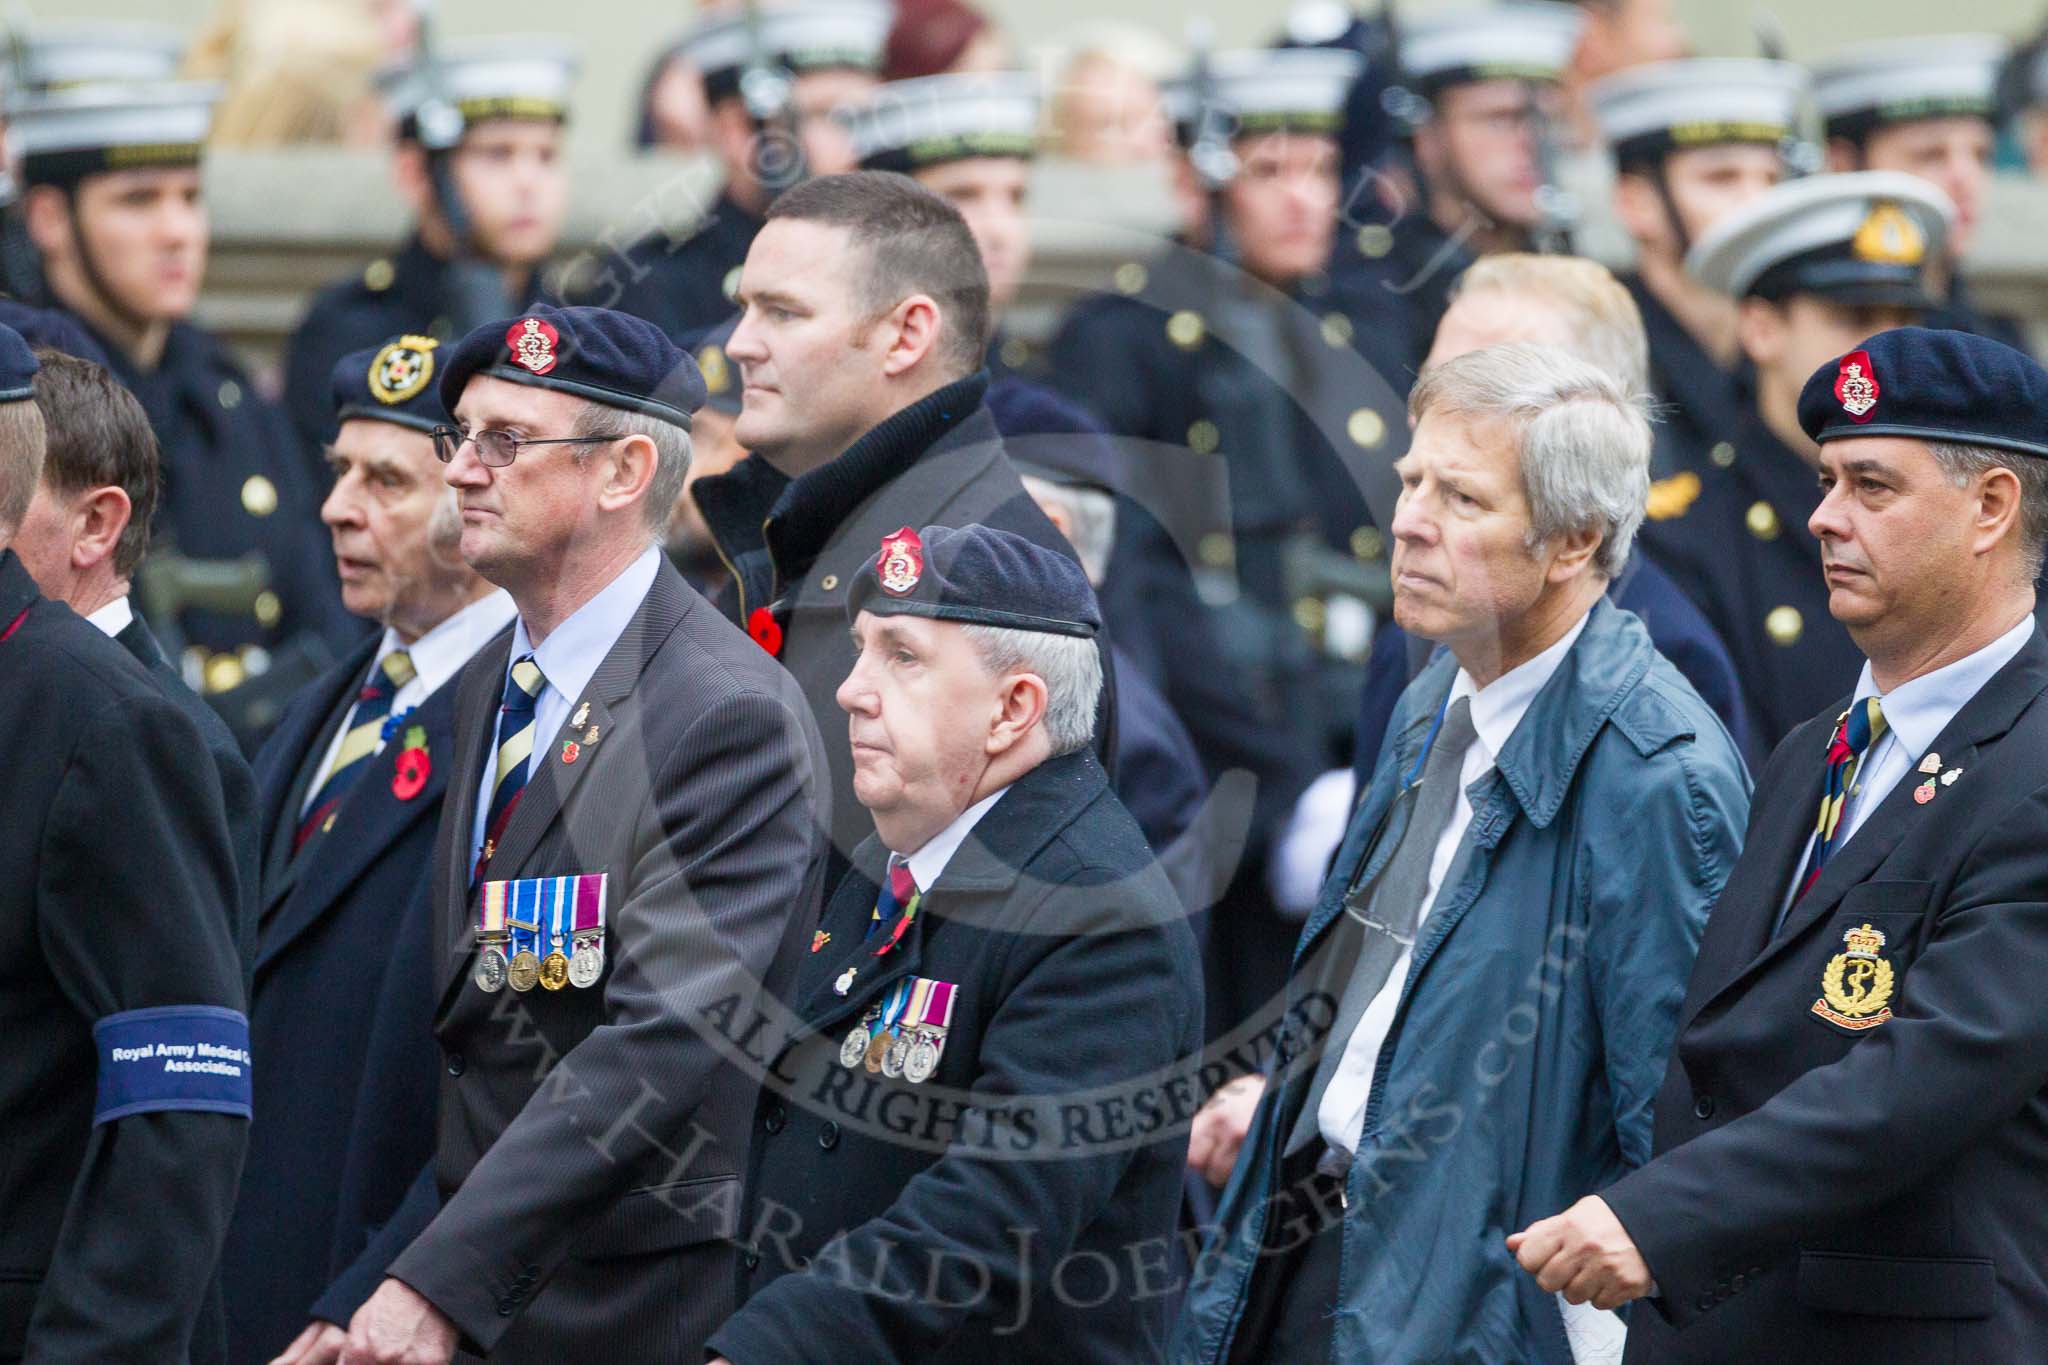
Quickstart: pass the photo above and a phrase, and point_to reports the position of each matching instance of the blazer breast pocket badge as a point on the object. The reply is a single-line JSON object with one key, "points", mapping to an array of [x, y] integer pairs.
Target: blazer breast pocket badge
{"points": [[1856, 985]]}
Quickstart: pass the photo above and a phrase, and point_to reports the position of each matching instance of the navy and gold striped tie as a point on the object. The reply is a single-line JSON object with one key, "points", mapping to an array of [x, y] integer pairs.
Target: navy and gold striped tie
{"points": [[515, 745], [1860, 727], [362, 738]]}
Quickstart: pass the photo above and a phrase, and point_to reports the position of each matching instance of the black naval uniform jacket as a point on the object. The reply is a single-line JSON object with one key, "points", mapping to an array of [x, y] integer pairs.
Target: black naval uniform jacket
{"points": [[406, 292], [1700, 404], [119, 869], [336, 924], [592, 1139], [1740, 548], [793, 547], [1020, 1204], [1822, 1193], [683, 286]]}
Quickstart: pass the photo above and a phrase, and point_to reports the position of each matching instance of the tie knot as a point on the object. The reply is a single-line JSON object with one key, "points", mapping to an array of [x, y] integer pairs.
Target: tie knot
{"points": [[524, 685], [397, 667], [901, 884], [1863, 724]]}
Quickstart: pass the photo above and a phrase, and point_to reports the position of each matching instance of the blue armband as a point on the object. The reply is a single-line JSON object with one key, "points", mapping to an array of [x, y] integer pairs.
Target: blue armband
{"points": [[172, 1057]]}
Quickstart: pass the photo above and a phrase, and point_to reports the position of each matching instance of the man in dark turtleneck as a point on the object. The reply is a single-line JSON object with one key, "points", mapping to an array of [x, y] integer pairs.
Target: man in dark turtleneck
{"points": [[860, 345]]}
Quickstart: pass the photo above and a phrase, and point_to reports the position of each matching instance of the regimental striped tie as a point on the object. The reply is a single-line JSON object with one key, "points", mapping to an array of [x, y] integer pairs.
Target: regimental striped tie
{"points": [[515, 745], [362, 737], [896, 907], [1859, 728]]}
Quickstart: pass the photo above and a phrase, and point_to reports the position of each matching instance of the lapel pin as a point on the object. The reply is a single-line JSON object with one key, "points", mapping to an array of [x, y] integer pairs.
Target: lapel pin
{"points": [[845, 981], [1924, 792], [591, 736], [570, 750], [1948, 778], [820, 939], [1931, 764], [582, 714]]}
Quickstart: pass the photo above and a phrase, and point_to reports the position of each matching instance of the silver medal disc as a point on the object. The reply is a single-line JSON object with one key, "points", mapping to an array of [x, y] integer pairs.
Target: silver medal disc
{"points": [[894, 1058], [490, 970], [854, 1051], [922, 1061], [586, 967]]}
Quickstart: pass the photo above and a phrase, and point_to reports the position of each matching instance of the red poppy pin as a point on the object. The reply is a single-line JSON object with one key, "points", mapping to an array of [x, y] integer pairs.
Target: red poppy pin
{"points": [[820, 939], [901, 562], [1856, 386], [766, 630], [412, 767], [533, 343], [571, 750]]}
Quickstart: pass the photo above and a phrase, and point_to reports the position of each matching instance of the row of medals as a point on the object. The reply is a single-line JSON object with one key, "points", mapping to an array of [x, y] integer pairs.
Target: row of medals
{"points": [[524, 969], [912, 1056]]}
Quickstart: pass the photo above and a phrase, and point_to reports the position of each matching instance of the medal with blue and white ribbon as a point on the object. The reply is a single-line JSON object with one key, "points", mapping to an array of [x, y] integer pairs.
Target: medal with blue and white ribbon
{"points": [[900, 1040], [554, 968], [523, 973], [892, 1010]]}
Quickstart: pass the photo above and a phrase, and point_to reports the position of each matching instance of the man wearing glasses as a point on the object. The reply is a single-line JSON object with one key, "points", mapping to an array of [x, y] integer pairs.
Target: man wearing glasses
{"points": [[628, 846]]}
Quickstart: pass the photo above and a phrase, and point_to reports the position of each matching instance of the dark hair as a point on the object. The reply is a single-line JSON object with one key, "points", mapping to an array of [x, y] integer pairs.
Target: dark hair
{"points": [[97, 434], [916, 243]]}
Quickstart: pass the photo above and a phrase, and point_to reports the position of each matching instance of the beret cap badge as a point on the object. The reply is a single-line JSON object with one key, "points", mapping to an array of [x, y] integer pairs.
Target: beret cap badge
{"points": [[1856, 386], [402, 369], [902, 562], [533, 342]]}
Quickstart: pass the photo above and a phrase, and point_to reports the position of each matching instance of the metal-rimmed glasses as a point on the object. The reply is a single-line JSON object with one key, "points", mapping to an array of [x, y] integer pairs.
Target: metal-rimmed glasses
{"points": [[495, 449]]}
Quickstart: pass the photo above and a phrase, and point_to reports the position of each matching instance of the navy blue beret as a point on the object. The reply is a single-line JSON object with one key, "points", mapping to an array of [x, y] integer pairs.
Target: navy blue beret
{"points": [[51, 328], [597, 354], [977, 575], [18, 366], [1047, 434], [389, 383], [1933, 386]]}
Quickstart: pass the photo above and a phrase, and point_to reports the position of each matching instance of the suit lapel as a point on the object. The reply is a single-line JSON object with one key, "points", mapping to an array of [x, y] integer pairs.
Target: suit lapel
{"points": [[371, 819], [308, 737], [477, 691], [1983, 718]]}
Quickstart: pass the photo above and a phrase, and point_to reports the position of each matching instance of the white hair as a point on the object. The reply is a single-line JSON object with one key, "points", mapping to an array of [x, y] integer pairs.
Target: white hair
{"points": [[1582, 436], [1091, 521], [1069, 665], [671, 449]]}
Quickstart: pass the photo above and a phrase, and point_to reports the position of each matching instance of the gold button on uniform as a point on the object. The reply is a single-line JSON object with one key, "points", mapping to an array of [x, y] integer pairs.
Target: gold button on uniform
{"points": [[267, 610], [1130, 277], [1762, 520], [1366, 428], [259, 496], [1367, 543], [1186, 329], [1784, 625], [829, 582], [224, 672], [378, 275], [1309, 613], [1203, 438], [1723, 454], [1337, 330], [1016, 352], [1375, 240], [1216, 550]]}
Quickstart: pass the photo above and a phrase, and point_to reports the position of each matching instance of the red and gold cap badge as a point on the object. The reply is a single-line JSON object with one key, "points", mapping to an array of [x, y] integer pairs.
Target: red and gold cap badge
{"points": [[1856, 386], [901, 563], [533, 343], [401, 370]]}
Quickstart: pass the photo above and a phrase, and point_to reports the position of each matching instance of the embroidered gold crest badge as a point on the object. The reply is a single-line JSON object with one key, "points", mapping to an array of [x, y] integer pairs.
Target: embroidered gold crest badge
{"points": [[1856, 986], [402, 368]]}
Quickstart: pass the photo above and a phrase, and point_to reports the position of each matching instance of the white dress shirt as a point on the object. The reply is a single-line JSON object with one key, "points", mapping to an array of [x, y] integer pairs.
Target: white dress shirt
{"points": [[436, 657], [113, 618], [1915, 714], [567, 659], [930, 860]]}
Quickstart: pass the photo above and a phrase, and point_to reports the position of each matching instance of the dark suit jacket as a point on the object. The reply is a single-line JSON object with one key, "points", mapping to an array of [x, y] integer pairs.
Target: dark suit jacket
{"points": [[1078, 991], [237, 783], [354, 1062], [119, 882], [591, 1140], [1871, 1193]]}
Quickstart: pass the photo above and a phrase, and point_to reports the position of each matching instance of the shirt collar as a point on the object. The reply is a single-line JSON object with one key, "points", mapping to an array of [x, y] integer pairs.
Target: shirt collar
{"points": [[569, 657], [113, 618], [1498, 707], [440, 654], [929, 861], [1917, 711]]}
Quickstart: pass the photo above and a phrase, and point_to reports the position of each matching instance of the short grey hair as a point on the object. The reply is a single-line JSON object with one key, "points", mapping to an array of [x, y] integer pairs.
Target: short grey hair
{"points": [[1091, 521], [1070, 665], [1596, 317], [671, 449], [1582, 436], [1962, 463]]}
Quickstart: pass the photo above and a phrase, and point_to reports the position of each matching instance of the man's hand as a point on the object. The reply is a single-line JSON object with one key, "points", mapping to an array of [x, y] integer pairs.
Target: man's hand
{"points": [[399, 1327], [1219, 1128], [1585, 1254], [319, 1344]]}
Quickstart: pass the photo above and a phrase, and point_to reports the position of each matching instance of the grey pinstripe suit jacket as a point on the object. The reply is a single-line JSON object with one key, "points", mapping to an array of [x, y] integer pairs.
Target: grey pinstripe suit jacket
{"points": [[591, 1140]]}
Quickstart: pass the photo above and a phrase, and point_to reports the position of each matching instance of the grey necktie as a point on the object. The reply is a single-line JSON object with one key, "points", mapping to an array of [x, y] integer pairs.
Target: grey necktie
{"points": [[1395, 904]]}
